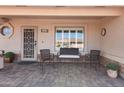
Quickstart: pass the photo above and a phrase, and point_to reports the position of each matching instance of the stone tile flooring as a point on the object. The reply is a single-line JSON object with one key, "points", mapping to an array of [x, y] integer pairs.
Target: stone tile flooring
{"points": [[57, 75]]}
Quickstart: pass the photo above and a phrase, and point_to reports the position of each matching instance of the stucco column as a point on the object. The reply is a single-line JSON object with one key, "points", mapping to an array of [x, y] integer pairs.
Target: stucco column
{"points": [[1, 62]]}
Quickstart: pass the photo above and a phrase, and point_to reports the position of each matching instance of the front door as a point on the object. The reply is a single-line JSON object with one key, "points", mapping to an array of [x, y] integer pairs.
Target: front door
{"points": [[29, 44]]}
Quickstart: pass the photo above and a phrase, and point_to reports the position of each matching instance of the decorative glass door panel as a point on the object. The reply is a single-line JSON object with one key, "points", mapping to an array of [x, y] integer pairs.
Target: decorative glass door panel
{"points": [[29, 44]]}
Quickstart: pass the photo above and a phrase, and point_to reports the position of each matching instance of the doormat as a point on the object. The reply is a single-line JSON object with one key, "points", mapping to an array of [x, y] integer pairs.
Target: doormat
{"points": [[26, 62]]}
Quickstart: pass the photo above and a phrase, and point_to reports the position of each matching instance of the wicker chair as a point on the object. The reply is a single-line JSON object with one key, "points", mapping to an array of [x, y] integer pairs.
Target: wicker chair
{"points": [[93, 57], [46, 55]]}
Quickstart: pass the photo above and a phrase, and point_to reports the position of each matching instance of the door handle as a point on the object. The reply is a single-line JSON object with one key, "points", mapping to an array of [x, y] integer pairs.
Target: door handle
{"points": [[35, 43]]}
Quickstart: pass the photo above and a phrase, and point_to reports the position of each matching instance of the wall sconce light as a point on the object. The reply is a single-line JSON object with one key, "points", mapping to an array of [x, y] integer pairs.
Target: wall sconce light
{"points": [[44, 30]]}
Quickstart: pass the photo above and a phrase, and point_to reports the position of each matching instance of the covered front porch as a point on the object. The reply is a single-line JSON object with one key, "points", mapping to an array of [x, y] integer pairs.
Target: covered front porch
{"points": [[84, 28]]}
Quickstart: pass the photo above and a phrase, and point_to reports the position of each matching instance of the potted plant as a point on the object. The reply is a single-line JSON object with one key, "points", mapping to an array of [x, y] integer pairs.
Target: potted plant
{"points": [[112, 70], [9, 57]]}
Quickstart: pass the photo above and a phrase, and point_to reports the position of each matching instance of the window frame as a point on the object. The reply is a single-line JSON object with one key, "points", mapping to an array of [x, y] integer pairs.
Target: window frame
{"points": [[76, 28]]}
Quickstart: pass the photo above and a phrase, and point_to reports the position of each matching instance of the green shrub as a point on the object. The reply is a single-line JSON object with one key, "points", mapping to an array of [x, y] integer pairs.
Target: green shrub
{"points": [[9, 55], [112, 66]]}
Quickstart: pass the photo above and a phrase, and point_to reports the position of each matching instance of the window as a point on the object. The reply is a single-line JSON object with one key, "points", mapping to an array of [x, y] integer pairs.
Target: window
{"points": [[69, 38]]}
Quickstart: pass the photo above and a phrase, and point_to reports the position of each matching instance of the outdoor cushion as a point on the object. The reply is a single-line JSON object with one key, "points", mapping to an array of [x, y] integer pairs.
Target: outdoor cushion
{"points": [[69, 56]]}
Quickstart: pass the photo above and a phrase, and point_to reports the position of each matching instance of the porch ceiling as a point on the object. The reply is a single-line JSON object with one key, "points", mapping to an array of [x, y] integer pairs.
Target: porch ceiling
{"points": [[53, 17], [60, 11]]}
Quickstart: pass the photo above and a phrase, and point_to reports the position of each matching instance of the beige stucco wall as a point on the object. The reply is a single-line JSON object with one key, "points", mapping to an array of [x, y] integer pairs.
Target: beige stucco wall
{"points": [[112, 45], [92, 36]]}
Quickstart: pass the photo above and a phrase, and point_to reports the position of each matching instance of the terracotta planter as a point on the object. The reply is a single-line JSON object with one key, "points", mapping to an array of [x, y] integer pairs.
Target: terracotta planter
{"points": [[8, 60], [112, 73]]}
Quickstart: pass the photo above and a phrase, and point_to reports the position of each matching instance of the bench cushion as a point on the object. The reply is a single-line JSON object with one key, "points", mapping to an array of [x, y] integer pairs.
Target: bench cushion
{"points": [[69, 56]]}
